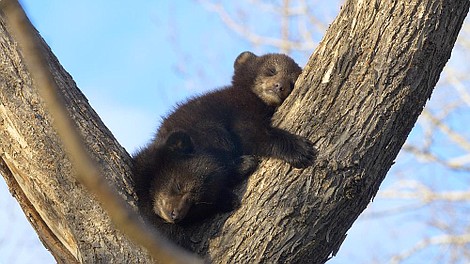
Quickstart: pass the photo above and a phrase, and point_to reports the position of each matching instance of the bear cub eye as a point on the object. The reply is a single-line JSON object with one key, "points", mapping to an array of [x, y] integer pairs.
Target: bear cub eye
{"points": [[177, 188], [271, 71]]}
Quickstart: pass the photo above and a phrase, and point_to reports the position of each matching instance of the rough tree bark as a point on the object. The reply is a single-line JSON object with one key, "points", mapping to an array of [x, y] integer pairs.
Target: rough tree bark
{"points": [[68, 220], [358, 98]]}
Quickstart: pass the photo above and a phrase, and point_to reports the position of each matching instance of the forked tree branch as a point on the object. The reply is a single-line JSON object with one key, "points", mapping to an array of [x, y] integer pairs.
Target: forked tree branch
{"points": [[357, 99]]}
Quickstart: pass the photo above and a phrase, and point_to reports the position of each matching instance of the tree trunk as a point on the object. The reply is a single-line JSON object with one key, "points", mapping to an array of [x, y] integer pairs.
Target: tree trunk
{"points": [[69, 221], [357, 99]]}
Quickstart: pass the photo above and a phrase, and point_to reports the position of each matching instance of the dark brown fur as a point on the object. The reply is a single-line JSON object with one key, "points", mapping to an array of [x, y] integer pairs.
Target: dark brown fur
{"points": [[211, 142]]}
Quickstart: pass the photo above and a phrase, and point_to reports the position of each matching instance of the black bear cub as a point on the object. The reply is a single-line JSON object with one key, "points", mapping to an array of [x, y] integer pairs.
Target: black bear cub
{"points": [[211, 142]]}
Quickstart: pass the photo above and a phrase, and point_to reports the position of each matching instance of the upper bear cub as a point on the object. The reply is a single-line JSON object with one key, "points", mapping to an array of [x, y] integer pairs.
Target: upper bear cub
{"points": [[209, 143]]}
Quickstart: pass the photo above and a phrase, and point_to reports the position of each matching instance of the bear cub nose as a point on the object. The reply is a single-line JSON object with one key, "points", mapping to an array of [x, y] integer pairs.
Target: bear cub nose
{"points": [[278, 87]]}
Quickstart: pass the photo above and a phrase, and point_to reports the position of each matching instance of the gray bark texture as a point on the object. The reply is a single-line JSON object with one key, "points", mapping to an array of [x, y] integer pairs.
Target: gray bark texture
{"points": [[358, 98]]}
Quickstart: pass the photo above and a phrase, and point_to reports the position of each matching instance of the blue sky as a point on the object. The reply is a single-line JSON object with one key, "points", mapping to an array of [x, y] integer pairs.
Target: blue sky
{"points": [[134, 61]]}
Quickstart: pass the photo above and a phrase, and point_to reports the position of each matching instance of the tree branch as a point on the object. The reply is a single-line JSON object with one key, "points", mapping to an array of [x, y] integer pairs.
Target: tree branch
{"points": [[46, 235], [122, 215]]}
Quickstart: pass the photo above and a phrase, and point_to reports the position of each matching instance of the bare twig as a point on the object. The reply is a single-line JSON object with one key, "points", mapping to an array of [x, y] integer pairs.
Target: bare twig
{"points": [[291, 11], [437, 240], [459, 87], [457, 163], [452, 134], [87, 172], [256, 39], [285, 27], [411, 189]]}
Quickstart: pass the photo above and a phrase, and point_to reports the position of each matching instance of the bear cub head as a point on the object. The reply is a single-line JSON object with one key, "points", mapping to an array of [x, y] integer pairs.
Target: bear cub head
{"points": [[185, 183], [271, 77]]}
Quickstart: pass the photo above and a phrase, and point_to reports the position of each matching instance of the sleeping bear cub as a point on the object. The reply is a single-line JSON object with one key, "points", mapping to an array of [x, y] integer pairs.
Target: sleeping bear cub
{"points": [[211, 142]]}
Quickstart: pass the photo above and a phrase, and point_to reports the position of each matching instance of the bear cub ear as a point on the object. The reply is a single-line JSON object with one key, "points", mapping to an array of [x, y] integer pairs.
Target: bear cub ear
{"points": [[243, 58], [179, 142]]}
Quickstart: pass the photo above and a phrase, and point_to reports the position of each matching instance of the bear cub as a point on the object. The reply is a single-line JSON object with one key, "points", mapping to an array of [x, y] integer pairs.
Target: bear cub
{"points": [[210, 143]]}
